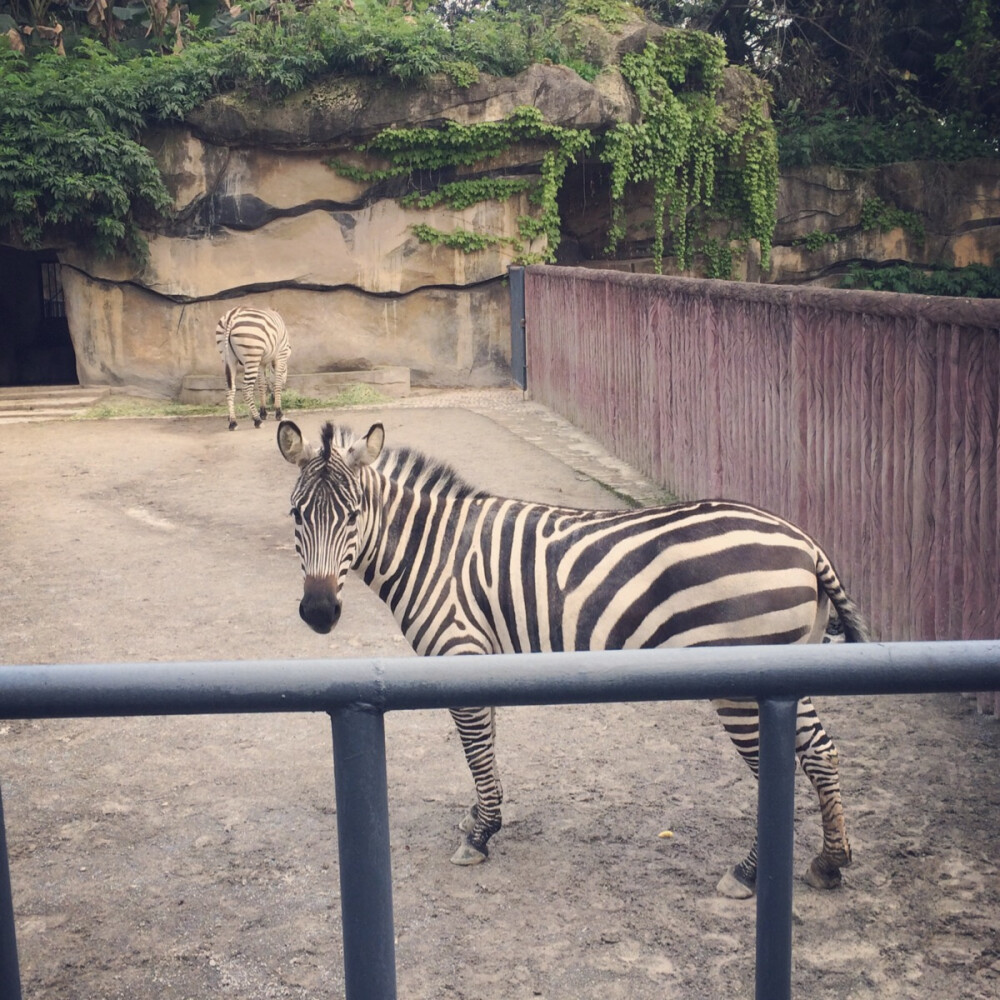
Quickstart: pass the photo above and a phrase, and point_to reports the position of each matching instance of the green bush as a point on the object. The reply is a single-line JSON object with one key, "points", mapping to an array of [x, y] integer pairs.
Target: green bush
{"points": [[70, 156], [837, 139], [975, 281]]}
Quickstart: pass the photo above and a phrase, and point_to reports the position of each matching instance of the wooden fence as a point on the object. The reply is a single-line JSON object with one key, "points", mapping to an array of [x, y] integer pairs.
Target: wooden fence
{"points": [[868, 418]]}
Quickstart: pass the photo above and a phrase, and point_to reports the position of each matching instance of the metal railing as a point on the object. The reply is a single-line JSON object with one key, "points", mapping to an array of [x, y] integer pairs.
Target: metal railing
{"points": [[358, 692]]}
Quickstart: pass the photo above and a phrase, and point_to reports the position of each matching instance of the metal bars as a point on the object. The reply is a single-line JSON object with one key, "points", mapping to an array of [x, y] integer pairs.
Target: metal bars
{"points": [[775, 840], [357, 693], [10, 979], [363, 842]]}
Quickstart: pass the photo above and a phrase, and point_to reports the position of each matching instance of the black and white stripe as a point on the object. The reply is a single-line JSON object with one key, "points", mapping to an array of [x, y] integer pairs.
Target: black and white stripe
{"points": [[467, 572], [257, 341]]}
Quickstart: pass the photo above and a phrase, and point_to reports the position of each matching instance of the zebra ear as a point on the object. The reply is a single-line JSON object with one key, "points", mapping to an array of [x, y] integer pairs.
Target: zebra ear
{"points": [[365, 452], [293, 445]]}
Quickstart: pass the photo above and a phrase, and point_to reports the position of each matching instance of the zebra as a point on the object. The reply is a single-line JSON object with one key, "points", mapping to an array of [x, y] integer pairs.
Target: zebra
{"points": [[257, 340], [464, 571]]}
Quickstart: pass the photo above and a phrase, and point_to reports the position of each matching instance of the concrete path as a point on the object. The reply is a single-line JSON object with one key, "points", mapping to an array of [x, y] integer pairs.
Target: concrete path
{"points": [[45, 402]]}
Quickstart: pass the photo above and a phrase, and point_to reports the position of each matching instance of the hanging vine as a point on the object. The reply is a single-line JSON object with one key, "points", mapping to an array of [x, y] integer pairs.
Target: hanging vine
{"points": [[709, 163], [680, 146], [423, 154]]}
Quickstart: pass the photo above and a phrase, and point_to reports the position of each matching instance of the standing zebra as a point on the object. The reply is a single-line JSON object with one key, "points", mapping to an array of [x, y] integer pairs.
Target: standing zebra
{"points": [[467, 572], [257, 340]]}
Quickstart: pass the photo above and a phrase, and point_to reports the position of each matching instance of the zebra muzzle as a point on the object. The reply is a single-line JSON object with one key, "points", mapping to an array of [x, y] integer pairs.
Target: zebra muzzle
{"points": [[320, 605]]}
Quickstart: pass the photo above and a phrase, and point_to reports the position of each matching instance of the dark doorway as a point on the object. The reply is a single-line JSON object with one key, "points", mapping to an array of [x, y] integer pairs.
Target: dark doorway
{"points": [[35, 345]]}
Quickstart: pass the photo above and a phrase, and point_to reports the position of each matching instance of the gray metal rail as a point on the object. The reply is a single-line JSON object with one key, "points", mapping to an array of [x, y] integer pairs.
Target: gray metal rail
{"points": [[356, 693]]}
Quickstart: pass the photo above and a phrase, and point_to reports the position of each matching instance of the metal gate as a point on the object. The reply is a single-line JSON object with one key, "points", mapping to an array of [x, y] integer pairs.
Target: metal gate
{"points": [[358, 693]]}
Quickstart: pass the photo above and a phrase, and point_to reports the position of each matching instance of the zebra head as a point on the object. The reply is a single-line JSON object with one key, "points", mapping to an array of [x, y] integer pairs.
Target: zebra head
{"points": [[327, 505]]}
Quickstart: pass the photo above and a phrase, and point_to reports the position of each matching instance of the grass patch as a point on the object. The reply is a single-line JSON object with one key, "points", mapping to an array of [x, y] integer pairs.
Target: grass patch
{"points": [[129, 406], [114, 407]]}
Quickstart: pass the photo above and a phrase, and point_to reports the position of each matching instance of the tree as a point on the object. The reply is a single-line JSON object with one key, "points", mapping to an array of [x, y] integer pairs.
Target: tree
{"points": [[877, 58]]}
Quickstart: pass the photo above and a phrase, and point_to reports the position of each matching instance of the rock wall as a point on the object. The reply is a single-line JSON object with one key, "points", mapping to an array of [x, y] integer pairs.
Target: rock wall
{"points": [[260, 217], [957, 204]]}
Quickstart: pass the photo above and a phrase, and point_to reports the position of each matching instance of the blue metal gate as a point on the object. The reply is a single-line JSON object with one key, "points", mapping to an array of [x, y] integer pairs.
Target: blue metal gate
{"points": [[358, 693]]}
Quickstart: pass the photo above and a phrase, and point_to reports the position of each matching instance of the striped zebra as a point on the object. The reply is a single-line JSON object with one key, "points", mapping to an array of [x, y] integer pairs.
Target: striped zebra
{"points": [[257, 340], [467, 572]]}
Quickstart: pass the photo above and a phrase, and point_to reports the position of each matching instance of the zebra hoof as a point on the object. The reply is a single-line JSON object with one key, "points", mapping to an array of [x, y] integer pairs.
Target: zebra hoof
{"points": [[733, 887], [823, 876], [468, 855], [232, 425], [263, 413], [278, 414], [256, 423]]}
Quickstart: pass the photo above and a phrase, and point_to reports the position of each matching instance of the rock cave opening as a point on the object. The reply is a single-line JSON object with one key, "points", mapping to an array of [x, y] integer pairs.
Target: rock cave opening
{"points": [[35, 343]]}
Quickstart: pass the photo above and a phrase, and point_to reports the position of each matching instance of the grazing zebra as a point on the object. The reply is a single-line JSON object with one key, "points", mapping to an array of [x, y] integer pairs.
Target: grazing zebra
{"points": [[467, 572], [257, 340]]}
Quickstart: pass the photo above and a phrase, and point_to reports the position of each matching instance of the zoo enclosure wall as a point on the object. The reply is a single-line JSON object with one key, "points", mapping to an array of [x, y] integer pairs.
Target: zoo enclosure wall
{"points": [[870, 419]]}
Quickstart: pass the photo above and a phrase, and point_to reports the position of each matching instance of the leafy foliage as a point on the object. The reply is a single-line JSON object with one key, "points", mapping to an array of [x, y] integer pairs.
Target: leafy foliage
{"points": [[834, 137], [459, 239], [423, 154], [461, 194], [816, 239], [680, 145], [371, 37], [70, 158], [889, 60], [71, 162], [974, 281], [877, 214], [718, 258]]}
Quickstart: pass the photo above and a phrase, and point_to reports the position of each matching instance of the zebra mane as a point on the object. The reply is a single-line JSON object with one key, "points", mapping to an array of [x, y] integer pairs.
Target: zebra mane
{"points": [[407, 467], [326, 436]]}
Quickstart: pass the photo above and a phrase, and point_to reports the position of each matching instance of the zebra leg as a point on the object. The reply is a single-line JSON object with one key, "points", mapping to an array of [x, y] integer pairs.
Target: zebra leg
{"points": [[819, 760], [231, 396], [477, 729], [262, 388], [251, 373], [280, 376], [741, 721], [818, 755]]}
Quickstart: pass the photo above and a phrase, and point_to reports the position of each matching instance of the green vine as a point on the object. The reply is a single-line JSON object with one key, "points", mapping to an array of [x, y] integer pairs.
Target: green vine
{"points": [[719, 259], [700, 166], [431, 151], [816, 239], [879, 215], [461, 194], [458, 239], [680, 145]]}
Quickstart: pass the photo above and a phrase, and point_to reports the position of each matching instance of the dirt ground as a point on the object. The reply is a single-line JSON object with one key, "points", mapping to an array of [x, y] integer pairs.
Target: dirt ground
{"points": [[195, 857]]}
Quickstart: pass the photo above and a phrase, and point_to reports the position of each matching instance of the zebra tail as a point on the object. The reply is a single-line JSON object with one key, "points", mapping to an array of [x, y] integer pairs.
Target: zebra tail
{"points": [[853, 622]]}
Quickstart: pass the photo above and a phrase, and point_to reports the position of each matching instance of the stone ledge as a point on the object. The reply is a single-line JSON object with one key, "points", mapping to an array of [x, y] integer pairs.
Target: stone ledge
{"points": [[390, 380]]}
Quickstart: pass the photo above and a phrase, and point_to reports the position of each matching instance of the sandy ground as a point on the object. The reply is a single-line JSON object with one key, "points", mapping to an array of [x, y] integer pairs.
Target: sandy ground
{"points": [[182, 858]]}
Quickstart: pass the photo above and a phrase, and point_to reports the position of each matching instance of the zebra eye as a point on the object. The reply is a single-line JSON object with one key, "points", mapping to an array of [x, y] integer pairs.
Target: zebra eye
{"points": [[297, 514], [352, 518]]}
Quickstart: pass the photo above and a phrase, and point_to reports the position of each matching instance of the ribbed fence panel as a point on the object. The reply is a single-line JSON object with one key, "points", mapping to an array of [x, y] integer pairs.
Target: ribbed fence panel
{"points": [[870, 419]]}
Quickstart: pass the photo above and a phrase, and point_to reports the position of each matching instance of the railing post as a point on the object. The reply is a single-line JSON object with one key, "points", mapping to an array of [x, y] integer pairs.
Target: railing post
{"points": [[775, 840], [363, 842], [518, 331], [10, 973]]}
